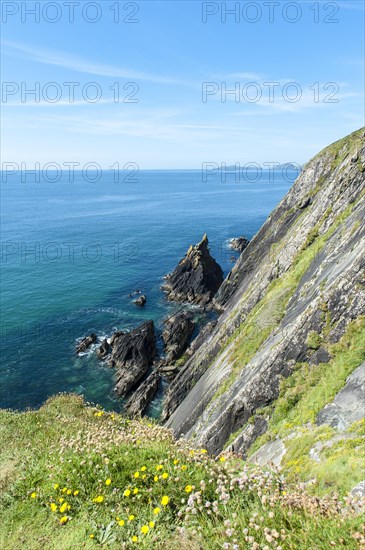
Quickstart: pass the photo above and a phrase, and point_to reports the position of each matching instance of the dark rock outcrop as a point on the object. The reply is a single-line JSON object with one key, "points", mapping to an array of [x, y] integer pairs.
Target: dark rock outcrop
{"points": [[116, 335], [132, 353], [239, 243], [196, 278], [86, 343], [141, 300], [142, 397], [176, 334], [104, 349]]}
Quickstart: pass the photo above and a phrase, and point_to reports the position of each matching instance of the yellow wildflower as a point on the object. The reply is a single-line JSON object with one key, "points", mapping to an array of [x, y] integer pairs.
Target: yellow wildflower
{"points": [[55, 486], [155, 478], [143, 469], [145, 529], [151, 524], [63, 508], [135, 491], [165, 500], [156, 511], [203, 451], [91, 536], [64, 489], [222, 458], [99, 498], [131, 517], [33, 495], [176, 461], [63, 520], [69, 491], [134, 539], [61, 499], [183, 467], [165, 475], [121, 522], [76, 493], [127, 493], [53, 507], [108, 481], [136, 474], [188, 489], [159, 467], [144, 476]]}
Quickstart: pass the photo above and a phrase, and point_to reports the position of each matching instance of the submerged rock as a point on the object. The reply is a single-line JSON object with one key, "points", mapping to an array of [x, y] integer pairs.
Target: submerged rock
{"points": [[142, 397], [196, 278], [176, 334], [132, 353], [239, 243], [141, 300], [86, 343]]}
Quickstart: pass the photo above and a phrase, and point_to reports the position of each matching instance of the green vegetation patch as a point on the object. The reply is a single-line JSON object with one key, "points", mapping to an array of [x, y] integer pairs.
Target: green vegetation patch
{"points": [[74, 476]]}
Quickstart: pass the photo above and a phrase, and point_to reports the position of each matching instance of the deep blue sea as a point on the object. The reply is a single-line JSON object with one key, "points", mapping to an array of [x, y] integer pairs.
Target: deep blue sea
{"points": [[73, 251]]}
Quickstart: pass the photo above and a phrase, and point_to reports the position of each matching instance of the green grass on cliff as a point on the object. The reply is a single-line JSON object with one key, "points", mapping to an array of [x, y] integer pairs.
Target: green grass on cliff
{"points": [[270, 310], [73, 477], [293, 414]]}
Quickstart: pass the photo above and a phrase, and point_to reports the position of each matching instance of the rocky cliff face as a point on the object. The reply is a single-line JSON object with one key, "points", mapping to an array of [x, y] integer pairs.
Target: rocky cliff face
{"points": [[291, 330]]}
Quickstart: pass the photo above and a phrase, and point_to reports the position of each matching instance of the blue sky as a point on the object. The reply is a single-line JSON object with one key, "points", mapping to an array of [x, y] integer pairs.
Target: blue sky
{"points": [[167, 56]]}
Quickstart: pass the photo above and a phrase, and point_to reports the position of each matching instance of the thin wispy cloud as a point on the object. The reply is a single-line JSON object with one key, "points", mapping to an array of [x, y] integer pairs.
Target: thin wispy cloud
{"points": [[77, 64]]}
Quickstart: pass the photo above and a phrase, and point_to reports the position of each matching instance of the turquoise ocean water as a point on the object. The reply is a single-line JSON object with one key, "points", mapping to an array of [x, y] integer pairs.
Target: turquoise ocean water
{"points": [[73, 251]]}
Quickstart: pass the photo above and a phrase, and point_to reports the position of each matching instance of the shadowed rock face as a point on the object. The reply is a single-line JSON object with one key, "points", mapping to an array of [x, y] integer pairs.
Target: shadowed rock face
{"points": [[196, 278], [143, 395], [132, 353], [176, 334]]}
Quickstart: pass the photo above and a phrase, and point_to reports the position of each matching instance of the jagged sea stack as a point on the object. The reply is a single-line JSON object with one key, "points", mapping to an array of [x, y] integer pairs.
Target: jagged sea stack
{"points": [[196, 278]]}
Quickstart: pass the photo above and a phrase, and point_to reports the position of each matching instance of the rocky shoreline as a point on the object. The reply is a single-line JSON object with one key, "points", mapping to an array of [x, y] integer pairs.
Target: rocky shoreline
{"points": [[139, 370]]}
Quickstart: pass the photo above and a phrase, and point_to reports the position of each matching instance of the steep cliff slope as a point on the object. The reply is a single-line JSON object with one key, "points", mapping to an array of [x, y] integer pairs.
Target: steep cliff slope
{"points": [[292, 324]]}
